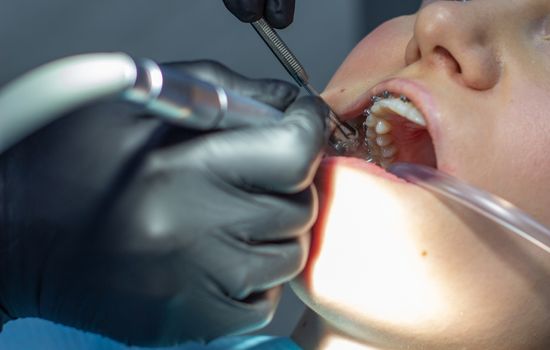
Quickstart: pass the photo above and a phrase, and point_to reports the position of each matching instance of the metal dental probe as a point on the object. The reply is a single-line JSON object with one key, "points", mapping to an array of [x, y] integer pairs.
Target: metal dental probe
{"points": [[343, 139]]}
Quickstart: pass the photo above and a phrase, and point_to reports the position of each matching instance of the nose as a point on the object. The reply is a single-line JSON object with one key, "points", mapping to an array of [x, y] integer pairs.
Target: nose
{"points": [[457, 38]]}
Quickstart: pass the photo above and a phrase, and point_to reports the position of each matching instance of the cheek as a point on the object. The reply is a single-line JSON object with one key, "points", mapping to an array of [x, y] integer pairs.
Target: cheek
{"points": [[527, 144], [378, 55], [508, 149], [392, 263], [368, 260], [522, 161]]}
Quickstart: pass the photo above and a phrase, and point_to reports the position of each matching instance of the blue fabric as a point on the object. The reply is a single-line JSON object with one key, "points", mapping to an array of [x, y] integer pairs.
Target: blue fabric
{"points": [[36, 334]]}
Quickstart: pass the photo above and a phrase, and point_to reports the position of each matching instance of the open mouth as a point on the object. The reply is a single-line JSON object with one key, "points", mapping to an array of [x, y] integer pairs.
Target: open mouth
{"points": [[394, 130]]}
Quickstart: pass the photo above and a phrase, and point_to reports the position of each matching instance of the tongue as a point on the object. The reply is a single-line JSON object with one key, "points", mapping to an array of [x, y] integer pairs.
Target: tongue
{"points": [[413, 142]]}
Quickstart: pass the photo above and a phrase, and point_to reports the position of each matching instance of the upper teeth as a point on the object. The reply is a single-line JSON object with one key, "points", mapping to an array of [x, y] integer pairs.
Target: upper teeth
{"points": [[378, 128], [397, 106]]}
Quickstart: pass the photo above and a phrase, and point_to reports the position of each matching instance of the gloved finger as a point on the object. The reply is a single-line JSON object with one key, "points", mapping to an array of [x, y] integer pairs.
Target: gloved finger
{"points": [[282, 158], [204, 313], [273, 218], [258, 309], [279, 13], [264, 266], [246, 10], [199, 314], [277, 93]]}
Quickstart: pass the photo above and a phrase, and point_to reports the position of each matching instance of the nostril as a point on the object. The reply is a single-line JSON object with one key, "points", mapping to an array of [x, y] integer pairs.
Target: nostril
{"points": [[443, 57], [412, 52], [440, 56]]}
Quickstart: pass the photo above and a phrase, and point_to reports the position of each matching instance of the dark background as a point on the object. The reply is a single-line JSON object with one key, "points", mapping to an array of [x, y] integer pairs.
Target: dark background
{"points": [[33, 32]]}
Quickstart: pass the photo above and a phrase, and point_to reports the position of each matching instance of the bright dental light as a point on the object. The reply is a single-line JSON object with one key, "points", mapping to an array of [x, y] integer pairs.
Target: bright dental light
{"points": [[395, 285]]}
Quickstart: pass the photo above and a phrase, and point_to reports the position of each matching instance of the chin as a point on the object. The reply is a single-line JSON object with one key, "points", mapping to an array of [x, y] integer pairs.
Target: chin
{"points": [[394, 265]]}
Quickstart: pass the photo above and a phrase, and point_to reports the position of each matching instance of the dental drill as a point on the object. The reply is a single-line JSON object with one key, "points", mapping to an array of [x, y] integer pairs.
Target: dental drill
{"points": [[48, 92]]}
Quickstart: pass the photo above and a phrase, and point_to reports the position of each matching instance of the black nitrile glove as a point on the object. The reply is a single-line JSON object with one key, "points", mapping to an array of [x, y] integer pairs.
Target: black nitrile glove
{"points": [[118, 224], [278, 13]]}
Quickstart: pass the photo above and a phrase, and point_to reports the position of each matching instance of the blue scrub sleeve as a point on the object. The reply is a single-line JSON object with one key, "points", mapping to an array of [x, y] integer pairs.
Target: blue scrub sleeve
{"points": [[3, 319], [37, 334]]}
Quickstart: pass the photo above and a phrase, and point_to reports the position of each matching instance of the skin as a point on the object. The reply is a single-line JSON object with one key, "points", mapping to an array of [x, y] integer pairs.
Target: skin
{"points": [[393, 266]]}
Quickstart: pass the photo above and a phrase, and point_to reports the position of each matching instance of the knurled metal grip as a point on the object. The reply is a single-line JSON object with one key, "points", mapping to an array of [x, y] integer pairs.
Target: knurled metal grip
{"points": [[281, 51], [343, 138]]}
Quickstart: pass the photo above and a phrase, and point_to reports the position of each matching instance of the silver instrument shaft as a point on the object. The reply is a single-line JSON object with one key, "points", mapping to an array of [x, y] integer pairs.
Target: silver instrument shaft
{"points": [[343, 137]]}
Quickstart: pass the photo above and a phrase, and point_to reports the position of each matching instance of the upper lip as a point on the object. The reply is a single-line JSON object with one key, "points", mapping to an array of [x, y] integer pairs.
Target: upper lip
{"points": [[413, 90]]}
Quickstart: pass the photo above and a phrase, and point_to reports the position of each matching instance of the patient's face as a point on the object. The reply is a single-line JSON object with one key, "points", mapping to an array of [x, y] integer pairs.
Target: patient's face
{"points": [[392, 264]]}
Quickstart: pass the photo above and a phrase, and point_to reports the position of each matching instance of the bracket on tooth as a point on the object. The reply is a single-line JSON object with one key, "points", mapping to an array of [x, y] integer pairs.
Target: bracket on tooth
{"points": [[387, 94], [378, 142]]}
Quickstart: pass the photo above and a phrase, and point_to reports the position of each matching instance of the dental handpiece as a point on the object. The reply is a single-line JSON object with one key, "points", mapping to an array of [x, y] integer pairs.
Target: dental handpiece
{"points": [[343, 139], [183, 100], [52, 90]]}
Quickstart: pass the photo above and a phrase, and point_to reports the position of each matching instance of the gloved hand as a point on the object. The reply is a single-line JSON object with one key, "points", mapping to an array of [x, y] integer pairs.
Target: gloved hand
{"points": [[118, 224], [279, 13]]}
